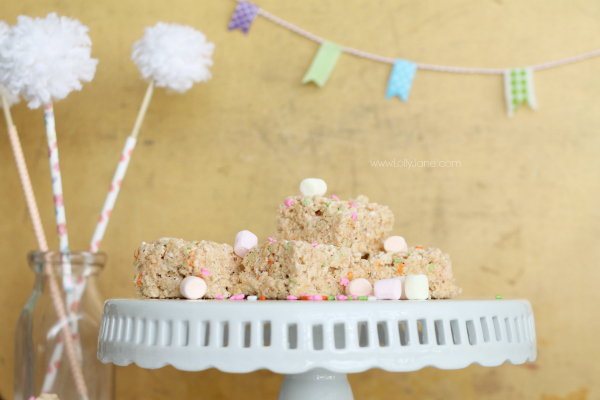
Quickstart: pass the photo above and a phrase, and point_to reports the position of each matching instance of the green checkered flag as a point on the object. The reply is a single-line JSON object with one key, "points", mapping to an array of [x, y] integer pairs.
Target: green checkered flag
{"points": [[518, 89]]}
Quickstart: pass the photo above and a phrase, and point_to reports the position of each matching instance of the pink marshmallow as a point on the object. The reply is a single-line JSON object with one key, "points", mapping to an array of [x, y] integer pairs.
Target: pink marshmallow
{"points": [[288, 202], [341, 297], [395, 244], [204, 272], [244, 242], [314, 244], [388, 289], [271, 240], [359, 287], [316, 298], [290, 297], [219, 297], [344, 282]]}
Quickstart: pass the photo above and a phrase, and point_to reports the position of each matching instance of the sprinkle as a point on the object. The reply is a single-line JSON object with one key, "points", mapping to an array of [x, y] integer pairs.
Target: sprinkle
{"points": [[431, 266], [306, 202], [328, 203], [354, 216], [363, 297], [341, 297], [290, 297], [219, 297], [352, 205], [323, 264], [316, 298], [314, 244], [350, 298], [305, 297], [344, 282], [263, 298], [418, 247], [324, 297], [252, 298], [288, 202], [499, 296], [372, 298], [333, 196], [204, 272], [397, 260], [331, 298], [351, 275], [271, 240]]}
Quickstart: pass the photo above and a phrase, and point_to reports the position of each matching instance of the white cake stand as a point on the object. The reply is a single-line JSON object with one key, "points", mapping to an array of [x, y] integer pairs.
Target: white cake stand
{"points": [[316, 343]]}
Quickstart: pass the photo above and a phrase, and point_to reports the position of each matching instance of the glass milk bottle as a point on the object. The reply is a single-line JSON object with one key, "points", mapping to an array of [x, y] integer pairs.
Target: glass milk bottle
{"points": [[41, 362]]}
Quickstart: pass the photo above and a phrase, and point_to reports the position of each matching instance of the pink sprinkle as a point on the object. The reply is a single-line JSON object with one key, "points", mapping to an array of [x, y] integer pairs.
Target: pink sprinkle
{"points": [[316, 298], [355, 297], [354, 216], [219, 297], [293, 240], [314, 244], [271, 240], [333, 196], [204, 272], [341, 297], [352, 205], [288, 202], [344, 282], [290, 297]]}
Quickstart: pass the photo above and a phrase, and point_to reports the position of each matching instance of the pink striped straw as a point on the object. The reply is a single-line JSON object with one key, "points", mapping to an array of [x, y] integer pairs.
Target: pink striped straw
{"points": [[43, 246]]}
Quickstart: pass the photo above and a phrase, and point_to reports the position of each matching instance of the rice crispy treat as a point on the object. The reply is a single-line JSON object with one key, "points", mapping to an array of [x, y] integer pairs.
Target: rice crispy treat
{"points": [[431, 262], [162, 265], [356, 224], [276, 270]]}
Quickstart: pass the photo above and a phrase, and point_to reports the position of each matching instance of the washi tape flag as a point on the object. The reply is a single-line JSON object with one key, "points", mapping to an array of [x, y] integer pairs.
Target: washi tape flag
{"points": [[518, 89], [401, 79], [245, 12], [323, 64]]}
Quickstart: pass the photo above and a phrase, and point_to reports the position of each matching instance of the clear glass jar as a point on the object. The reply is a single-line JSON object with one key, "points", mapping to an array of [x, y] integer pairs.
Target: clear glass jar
{"points": [[38, 338]]}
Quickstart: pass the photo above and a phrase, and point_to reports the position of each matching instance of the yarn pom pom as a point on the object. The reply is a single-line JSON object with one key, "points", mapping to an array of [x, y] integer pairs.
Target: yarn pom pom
{"points": [[175, 56], [45, 59], [10, 97]]}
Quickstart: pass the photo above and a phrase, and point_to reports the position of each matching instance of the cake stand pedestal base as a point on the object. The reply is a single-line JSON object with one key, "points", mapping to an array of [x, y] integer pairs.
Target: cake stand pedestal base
{"points": [[317, 383]]}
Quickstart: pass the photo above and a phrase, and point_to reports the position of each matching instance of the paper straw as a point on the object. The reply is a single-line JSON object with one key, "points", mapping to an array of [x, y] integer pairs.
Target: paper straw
{"points": [[43, 246], [119, 175]]}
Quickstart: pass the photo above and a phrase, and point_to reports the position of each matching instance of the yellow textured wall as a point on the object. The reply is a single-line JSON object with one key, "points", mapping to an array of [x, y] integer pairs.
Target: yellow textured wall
{"points": [[520, 216]]}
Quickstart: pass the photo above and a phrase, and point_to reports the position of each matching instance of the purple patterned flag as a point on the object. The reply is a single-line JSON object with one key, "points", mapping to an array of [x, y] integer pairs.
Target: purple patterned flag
{"points": [[244, 14]]}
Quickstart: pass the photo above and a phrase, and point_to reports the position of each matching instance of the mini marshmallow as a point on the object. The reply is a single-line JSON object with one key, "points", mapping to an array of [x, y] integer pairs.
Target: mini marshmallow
{"points": [[359, 287], [244, 242], [388, 289], [313, 186], [192, 287], [371, 298], [402, 280], [252, 298], [395, 244], [417, 287]]}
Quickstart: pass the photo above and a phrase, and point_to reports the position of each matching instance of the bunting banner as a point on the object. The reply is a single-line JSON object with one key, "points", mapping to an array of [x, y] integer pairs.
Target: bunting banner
{"points": [[401, 79], [518, 89], [518, 82], [243, 16], [323, 64]]}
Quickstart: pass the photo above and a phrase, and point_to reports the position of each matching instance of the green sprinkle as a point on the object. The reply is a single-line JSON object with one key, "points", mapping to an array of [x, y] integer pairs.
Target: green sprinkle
{"points": [[195, 242], [363, 297], [331, 298], [323, 265], [306, 201], [499, 296], [350, 298], [431, 267], [327, 204], [397, 260]]}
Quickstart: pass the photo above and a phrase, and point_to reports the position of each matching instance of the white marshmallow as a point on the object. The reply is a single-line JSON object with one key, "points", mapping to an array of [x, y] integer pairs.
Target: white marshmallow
{"points": [[244, 242], [252, 298], [417, 287], [395, 244], [402, 280], [313, 186], [388, 289], [359, 287], [192, 287]]}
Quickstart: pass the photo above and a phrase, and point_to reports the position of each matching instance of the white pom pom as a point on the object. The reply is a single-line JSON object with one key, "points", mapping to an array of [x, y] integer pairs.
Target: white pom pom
{"points": [[11, 98], [45, 59], [175, 56]]}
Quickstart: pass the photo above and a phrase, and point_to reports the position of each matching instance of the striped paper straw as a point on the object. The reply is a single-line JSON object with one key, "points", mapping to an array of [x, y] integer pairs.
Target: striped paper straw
{"points": [[113, 193], [34, 214]]}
